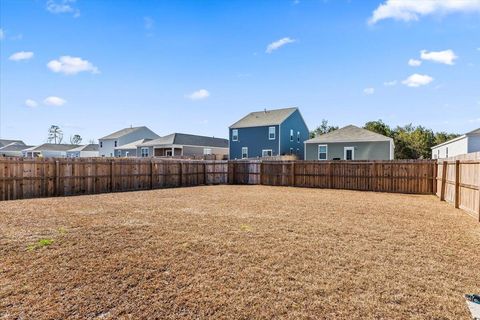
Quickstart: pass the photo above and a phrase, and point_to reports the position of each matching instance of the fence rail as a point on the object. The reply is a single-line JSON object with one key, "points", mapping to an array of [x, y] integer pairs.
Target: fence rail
{"points": [[34, 178], [458, 182]]}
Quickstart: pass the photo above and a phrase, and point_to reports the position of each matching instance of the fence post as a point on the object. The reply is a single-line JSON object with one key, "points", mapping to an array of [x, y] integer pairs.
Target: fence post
{"points": [[112, 175], [435, 175], [152, 165], [57, 178], [205, 172], [457, 183], [444, 180], [293, 173], [180, 174], [261, 172]]}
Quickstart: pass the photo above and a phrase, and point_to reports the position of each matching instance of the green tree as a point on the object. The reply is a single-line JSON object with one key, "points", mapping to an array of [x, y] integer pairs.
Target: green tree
{"points": [[379, 127], [323, 128]]}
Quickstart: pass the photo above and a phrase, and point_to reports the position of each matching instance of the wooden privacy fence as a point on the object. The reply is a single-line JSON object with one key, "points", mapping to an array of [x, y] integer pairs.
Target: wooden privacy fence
{"points": [[458, 182], [33, 178]]}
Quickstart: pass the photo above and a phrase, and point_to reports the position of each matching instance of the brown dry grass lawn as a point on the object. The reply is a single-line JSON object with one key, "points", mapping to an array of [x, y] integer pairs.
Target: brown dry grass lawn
{"points": [[243, 252]]}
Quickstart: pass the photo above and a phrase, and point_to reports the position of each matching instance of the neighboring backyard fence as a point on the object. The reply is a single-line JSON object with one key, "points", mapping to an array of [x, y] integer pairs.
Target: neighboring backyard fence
{"points": [[33, 178], [458, 182]]}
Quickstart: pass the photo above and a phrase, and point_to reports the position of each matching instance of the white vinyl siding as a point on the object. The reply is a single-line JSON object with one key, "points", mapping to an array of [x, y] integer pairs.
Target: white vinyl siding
{"points": [[323, 152]]}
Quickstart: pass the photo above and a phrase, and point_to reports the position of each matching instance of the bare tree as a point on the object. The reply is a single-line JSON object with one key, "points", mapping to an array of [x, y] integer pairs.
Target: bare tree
{"points": [[76, 139], [55, 134]]}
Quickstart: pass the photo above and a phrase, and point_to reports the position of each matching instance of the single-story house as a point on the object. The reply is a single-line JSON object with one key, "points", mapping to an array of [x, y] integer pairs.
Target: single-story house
{"points": [[4, 142], [13, 149], [350, 143], [85, 151], [48, 150], [181, 144], [467, 143], [129, 149], [122, 137], [268, 133]]}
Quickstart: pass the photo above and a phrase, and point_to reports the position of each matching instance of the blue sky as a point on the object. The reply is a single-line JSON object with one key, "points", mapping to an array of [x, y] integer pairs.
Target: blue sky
{"points": [[93, 67]]}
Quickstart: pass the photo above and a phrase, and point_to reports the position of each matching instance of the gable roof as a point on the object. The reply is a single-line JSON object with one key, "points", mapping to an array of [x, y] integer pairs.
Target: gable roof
{"points": [[463, 136], [264, 118], [4, 142], [52, 147], [87, 147], [14, 146], [131, 145], [187, 139], [123, 132], [349, 133]]}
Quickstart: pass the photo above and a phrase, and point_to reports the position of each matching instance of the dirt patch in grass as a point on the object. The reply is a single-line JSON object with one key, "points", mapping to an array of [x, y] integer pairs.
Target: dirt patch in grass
{"points": [[240, 252]]}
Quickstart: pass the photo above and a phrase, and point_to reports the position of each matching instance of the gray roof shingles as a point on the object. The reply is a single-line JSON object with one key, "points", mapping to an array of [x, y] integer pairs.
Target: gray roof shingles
{"points": [[122, 132], [264, 118], [349, 133], [4, 142], [187, 139]]}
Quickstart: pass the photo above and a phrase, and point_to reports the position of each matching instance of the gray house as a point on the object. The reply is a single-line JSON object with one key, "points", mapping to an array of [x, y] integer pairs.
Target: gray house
{"points": [[467, 143], [181, 144], [122, 137], [13, 149], [130, 149], [48, 150], [85, 151], [268, 133], [350, 143]]}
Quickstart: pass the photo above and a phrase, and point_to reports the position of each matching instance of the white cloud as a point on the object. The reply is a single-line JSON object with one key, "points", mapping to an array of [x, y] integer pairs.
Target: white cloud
{"points": [[445, 57], [71, 65], [62, 6], [54, 101], [278, 44], [2, 34], [199, 95], [22, 55], [390, 83], [407, 10], [417, 80], [414, 62], [31, 103], [369, 91]]}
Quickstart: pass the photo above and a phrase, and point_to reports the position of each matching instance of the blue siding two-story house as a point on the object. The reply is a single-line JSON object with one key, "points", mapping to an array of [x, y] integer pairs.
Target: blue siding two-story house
{"points": [[268, 133]]}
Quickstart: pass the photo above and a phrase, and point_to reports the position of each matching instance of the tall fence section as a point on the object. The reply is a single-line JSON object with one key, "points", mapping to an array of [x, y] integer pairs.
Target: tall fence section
{"points": [[458, 182], [33, 178]]}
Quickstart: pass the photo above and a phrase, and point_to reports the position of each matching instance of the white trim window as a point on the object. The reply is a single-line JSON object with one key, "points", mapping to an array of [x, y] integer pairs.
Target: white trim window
{"points": [[101, 144], [144, 152], [298, 136], [322, 152], [244, 152], [291, 150], [267, 153], [235, 135], [291, 135], [349, 153], [115, 144], [207, 151], [271, 133]]}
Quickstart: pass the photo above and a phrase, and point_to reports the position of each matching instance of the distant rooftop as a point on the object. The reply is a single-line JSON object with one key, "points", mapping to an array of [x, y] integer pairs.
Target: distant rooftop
{"points": [[187, 139], [87, 147], [4, 142], [122, 132], [264, 118], [349, 133], [52, 147], [132, 145]]}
